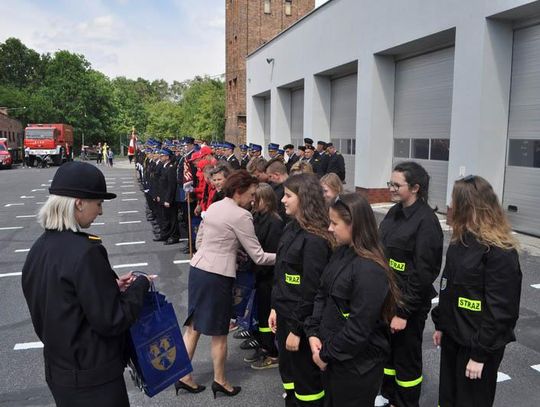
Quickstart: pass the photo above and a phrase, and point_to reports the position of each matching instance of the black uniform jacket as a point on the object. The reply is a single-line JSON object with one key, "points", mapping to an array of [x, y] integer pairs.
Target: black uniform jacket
{"points": [[413, 242], [336, 164], [77, 310], [300, 260], [155, 175], [268, 228], [479, 296], [233, 162], [347, 310], [167, 183]]}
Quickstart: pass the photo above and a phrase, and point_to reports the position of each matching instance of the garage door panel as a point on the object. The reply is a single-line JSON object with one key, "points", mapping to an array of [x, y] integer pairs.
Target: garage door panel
{"points": [[522, 191]]}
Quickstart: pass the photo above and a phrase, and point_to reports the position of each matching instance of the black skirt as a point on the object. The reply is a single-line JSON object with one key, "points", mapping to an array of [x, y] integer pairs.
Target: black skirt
{"points": [[209, 302]]}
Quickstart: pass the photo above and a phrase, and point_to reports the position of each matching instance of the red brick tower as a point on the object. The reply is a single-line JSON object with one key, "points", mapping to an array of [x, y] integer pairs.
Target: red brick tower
{"points": [[249, 24]]}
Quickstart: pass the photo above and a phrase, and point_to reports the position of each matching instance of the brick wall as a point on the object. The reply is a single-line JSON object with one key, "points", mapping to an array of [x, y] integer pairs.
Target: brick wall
{"points": [[375, 195], [247, 28]]}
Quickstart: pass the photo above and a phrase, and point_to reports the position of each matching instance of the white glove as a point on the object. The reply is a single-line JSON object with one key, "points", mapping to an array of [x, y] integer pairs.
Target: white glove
{"points": [[188, 186]]}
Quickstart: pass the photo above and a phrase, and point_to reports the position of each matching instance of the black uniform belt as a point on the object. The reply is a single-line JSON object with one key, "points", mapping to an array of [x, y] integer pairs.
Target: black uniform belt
{"points": [[83, 378]]}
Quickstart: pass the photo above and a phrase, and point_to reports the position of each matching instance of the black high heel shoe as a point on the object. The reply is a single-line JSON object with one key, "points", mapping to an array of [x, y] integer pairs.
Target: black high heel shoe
{"points": [[181, 385], [216, 388]]}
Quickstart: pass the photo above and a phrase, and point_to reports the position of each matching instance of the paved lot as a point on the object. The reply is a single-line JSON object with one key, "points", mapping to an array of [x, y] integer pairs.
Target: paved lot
{"points": [[21, 373]]}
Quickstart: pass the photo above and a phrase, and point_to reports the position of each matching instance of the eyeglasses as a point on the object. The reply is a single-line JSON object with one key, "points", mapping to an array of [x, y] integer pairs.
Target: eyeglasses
{"points": [[394, 185]]}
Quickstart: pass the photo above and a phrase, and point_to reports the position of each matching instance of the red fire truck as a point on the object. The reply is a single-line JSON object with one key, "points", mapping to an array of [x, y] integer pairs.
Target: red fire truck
{"points": [[49, 142]]}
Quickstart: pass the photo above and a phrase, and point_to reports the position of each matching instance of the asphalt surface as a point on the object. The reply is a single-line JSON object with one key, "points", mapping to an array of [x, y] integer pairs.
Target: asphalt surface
{"points": [[21, 370]]}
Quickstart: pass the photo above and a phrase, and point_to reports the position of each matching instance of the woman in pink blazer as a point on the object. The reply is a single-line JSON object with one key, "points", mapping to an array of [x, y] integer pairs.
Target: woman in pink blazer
{"points": [[227, 225]]}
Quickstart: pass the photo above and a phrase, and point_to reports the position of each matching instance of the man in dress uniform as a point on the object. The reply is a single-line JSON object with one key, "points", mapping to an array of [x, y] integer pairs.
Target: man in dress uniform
{"points": [[244, 156], [277, 175], [255, 150], [185, 172], [323, 157], [230, 158], [289, 156], [272, 150], [308, 142], [336, 162], [167, 193], [309, 158]]}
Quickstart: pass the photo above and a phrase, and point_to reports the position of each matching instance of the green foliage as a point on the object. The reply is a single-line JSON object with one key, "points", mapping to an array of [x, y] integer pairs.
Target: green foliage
{"points": [[64, 88]]}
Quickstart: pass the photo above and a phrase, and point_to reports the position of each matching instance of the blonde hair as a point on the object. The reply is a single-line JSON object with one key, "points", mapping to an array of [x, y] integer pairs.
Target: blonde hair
{"points": [[301, 167], [58, 213], [476, 210], [332, 181]]}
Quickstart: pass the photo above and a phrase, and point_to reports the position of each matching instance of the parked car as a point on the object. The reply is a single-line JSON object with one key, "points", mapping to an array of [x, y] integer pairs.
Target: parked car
{"points": [[6, 161]]}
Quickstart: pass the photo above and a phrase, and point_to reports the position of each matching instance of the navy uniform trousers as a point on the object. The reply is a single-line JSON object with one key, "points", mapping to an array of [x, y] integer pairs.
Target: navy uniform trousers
{"points": [[111, 394], [301, 377]]}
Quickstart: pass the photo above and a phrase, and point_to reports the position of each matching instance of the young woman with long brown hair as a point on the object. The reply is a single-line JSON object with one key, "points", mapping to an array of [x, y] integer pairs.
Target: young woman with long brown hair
{"points": [[303, 252], [349, 330], [479, 296]]}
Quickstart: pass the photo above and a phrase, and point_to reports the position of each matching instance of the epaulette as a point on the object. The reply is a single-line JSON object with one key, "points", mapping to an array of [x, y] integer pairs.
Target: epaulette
{"points": [[95, 238]]}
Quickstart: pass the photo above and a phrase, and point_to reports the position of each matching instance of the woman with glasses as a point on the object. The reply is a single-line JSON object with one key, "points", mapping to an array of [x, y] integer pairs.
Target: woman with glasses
{"points": [[479, 296], [412, 238], [302, 254], [348, 331]]}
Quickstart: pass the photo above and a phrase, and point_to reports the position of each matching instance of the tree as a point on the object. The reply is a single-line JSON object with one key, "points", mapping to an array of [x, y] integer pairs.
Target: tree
{"points": [[20, 66]]}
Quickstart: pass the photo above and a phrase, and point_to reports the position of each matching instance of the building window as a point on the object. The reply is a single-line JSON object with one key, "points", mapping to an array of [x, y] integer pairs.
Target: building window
{"points": [[402, 147], [524, 153], [420, 148], [266, 6], [288, 7], [439, 149]]}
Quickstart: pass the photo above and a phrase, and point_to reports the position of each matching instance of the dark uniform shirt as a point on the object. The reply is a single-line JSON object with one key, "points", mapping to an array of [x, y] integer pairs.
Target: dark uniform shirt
{"points": [[167, 183], [77, 310], [479, 296], [413, 242], [347, 310], [336, 164], [268, 228], [233, 162], [300, 260]]}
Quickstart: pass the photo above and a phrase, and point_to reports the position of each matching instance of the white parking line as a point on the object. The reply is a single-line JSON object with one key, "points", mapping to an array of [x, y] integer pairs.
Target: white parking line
{"points": [[28, 345], [13, 204], [537, 286], [181, 261], [125, 178], [27, 197], [46, 185], [130, 199], [18, 273], [121, 212], [97, 224], [26, 216], [502, 377], [40, 203], [129, 243], [21, 250], [11, 228], [129, 193], [536, 367], [127, 186], [38, 189], [123, 266], [129, 221]]}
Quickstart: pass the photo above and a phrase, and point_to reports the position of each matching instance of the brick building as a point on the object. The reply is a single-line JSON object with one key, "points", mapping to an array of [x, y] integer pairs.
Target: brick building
{"points": [[250, 24], [12, 130]]}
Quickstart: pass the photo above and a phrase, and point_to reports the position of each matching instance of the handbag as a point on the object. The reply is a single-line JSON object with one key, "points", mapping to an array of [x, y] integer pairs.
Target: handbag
{"points": [[158, 356]]}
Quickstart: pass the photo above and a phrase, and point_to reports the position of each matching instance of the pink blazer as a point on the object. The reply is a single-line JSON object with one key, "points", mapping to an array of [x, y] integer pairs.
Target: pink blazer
{"points": [[225, 228]]}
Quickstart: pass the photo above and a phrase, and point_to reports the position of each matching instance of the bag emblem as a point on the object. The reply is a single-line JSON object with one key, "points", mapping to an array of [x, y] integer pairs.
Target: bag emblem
{"points": [[162, 353]]}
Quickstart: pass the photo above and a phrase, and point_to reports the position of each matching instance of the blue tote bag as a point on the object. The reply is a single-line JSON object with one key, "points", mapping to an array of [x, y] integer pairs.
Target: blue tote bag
{"points": [[158, 356]]}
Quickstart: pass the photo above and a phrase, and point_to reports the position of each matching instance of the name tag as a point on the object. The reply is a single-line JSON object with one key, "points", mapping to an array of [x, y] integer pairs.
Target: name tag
{"points": [[471, 305], [396, 265], [292, 279]]}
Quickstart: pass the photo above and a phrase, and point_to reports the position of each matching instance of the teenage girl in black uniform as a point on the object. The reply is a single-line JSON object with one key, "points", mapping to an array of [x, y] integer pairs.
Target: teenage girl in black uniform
{"points": [[413, 241], [348, 331], [479, 296], [303, 252]]}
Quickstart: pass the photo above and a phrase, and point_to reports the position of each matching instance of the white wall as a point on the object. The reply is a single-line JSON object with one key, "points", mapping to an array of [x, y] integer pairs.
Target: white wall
{"points": [[344, 31]]}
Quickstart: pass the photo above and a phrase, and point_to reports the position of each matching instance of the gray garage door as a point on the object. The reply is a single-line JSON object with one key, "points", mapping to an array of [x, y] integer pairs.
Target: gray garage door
{"points": [[297, 117], [422, 116], [266, 123], [343, 121], [521, 197]]}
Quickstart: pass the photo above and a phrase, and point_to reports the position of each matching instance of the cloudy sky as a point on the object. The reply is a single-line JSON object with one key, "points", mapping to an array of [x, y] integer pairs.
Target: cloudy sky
{"points": [[152, 39]]}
